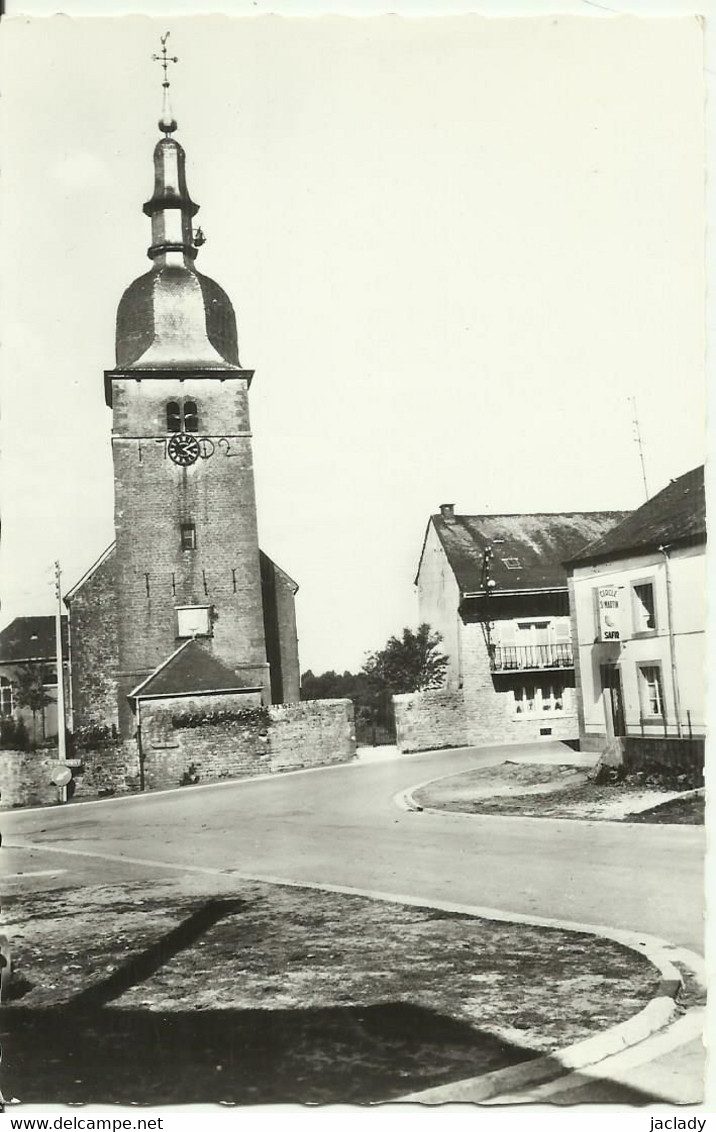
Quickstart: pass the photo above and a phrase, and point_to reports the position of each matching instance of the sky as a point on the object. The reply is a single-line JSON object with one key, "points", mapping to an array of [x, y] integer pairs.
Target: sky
{"points": [[456, 247]]}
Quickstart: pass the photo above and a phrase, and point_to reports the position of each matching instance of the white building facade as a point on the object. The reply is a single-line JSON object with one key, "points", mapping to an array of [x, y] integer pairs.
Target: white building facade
{"points": [[638, 601]]}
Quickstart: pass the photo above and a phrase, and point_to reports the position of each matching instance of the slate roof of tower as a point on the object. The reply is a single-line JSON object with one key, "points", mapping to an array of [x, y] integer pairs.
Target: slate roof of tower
{"points": [[192, 668], [528, 550], [675, 516], [31, 638]]}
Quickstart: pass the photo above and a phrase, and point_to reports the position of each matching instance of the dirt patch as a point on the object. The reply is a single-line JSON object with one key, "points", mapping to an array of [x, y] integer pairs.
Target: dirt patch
{"points": [[534, 790], [289, 995], [690, 810]]}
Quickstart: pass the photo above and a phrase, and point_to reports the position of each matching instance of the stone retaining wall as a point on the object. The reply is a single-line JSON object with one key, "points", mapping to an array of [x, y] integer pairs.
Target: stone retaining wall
{"points": [[26, 776], [675, 756], [433, 720], [107, 770], [288, 737], [312, 733]]}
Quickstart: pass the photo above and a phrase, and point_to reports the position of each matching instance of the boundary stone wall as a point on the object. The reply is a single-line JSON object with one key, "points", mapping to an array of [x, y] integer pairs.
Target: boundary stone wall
{"points": [[25, 776], [311, 733], [432, 720]]}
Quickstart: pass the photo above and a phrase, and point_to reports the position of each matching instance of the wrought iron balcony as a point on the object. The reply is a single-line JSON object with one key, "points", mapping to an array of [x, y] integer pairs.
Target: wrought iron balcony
{"points": [[523, 658]]}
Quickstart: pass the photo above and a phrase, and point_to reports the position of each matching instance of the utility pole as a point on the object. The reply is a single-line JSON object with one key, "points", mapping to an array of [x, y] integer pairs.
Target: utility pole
{"points": [[61, 724], [637, 437]]}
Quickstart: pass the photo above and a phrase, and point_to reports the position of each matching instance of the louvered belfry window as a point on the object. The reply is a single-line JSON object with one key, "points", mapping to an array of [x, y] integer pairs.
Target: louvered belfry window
{"points": [[182, 416], [173, 417]]}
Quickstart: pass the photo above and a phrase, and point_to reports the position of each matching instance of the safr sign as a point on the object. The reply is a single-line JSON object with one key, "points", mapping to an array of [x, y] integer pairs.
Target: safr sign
{"points": [[609, 613]]}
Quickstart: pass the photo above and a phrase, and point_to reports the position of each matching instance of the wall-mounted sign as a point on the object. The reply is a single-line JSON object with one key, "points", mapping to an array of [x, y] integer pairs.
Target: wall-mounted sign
{"points": [[609, 601]]}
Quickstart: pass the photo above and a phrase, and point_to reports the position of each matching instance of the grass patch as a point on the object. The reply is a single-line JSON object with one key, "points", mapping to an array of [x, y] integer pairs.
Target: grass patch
{"points": [[288, 995]]}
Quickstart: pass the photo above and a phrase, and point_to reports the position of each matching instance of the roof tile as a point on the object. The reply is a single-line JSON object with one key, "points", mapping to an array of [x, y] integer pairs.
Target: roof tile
{"points": [[528, 550]]}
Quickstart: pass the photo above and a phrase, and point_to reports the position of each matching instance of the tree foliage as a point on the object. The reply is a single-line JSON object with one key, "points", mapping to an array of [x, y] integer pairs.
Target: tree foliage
{"points": [[30, 692], [411, 663]]}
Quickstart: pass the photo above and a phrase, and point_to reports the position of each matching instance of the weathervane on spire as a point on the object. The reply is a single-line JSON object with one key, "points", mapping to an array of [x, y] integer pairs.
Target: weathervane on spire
{"points": [[167, 123]]}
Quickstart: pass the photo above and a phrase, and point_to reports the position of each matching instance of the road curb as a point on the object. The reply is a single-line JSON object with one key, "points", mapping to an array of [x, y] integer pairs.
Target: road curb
{"points": [[405, 800], [658, 1014], [654, 1017]]}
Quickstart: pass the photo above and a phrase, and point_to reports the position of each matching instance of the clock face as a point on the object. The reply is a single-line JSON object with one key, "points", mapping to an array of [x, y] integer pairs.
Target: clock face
{"points": [[183, 449]]}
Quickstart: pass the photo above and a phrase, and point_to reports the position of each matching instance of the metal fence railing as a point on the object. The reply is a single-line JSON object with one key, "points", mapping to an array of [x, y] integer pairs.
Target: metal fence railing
{"points": [[520, 658]]}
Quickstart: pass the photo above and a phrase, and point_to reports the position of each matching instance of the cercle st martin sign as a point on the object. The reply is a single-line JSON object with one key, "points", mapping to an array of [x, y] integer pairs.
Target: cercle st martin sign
{"points": [[609, 605]]}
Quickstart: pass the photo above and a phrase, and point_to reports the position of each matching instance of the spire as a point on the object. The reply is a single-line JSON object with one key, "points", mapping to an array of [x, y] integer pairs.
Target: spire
{"points": [[171, 208], [167, 123], [173, 317]]}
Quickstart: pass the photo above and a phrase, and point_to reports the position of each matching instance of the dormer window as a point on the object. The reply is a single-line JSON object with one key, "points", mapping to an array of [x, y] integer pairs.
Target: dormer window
{"points": [[182, 416]]}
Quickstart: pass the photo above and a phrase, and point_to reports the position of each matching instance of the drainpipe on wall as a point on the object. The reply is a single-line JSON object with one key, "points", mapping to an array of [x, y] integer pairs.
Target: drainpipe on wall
{"points": [[670, 617]]}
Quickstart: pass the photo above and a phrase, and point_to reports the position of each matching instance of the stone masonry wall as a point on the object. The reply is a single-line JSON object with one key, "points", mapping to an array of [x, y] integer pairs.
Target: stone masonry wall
{"points": [[93, 637], [478, 717], [107, 771], [313, 733], [429, 720], [663, 755], [25, 776]]}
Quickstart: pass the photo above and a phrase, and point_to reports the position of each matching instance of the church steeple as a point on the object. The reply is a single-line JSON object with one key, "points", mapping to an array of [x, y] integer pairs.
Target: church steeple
{"points": [[171, 208], [174, 318]]}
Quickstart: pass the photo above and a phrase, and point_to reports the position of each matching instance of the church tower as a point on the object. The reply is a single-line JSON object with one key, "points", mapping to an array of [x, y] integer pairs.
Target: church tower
{"points": [[187, 555]]}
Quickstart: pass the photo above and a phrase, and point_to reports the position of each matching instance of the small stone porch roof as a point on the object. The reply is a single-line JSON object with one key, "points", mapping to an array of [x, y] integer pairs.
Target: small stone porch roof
{"points": [[191, 670]]}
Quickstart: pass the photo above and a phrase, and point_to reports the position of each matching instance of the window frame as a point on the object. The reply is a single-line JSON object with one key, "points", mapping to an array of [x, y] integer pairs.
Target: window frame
{"points": [[637, 605], [190, 412], [532, 700], [6, 689], [173, 412], [183, 410], [644, 695], [541, 706], [187, 529]]}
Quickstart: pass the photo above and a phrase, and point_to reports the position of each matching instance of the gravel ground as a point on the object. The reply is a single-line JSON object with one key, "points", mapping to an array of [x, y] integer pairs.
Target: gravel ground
{"points": [[268, 994], [538, 790]]}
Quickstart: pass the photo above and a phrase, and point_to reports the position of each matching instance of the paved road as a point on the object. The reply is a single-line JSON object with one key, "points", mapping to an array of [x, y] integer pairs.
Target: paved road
{"points": [[341, 826]]}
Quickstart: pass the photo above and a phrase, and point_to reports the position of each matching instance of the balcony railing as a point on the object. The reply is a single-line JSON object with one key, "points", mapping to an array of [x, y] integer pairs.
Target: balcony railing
{"points": [[521, 658]]}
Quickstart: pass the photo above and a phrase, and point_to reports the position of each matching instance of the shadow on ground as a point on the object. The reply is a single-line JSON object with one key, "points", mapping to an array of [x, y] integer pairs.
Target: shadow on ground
{"points": [[88, 1050], [331, 1055]]}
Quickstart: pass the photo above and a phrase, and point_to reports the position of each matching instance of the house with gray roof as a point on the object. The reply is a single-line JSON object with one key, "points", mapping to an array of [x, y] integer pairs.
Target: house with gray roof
{"points": [[495, 588], [29, 642], [638, 595]]}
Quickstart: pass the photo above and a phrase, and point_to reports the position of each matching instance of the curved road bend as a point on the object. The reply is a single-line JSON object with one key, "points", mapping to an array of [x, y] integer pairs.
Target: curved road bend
{"points": [[341, 826]]}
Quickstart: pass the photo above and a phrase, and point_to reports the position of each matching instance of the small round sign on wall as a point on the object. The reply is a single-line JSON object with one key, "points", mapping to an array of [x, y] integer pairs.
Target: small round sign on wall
{"points": [[61, 775]]}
